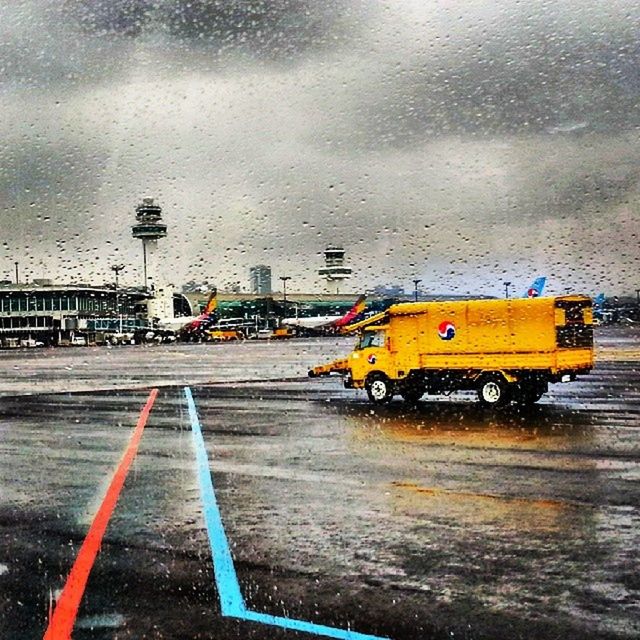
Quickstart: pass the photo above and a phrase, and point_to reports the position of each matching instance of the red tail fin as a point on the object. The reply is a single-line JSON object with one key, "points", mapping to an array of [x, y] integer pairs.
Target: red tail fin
{"points": [[212, 303], [353, 313]]}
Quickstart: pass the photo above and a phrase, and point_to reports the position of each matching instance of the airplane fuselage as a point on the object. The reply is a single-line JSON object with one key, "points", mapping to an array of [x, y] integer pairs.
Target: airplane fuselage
{"points": [[315, 322]]}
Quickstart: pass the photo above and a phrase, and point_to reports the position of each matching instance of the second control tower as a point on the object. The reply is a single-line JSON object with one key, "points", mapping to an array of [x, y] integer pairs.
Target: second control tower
{"points": [[334, 272], [149, 228]]}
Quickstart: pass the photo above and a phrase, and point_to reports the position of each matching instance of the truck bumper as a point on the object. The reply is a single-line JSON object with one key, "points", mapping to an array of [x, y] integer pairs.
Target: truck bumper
{"points": [[341, 367]]}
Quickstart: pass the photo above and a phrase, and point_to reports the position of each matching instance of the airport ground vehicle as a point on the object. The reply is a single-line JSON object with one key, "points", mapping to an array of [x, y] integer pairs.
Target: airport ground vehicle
{"points": [[30, 343], [282, 333], [504, 349], [224, 335]]}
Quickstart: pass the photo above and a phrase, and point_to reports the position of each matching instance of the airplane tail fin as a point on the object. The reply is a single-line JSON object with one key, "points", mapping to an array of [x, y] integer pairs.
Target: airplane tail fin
{"points": [[353, 313], [536, 288], [205, 318], [212, 303]]}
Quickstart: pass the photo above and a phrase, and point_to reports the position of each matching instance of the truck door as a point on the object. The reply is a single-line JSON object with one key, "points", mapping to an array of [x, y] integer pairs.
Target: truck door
{"points": [[372, 352]]}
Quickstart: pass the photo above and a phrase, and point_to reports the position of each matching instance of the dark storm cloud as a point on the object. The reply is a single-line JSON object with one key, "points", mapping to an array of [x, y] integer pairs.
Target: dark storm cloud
{"points": [[273, 29], [122, 17], [615, 185], [42, 47], [508, 85], [276, 29], [83, 43]]}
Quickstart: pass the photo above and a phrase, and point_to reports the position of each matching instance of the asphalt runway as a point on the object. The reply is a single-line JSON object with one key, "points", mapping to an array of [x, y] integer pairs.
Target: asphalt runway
{"points": [[325, 514]]}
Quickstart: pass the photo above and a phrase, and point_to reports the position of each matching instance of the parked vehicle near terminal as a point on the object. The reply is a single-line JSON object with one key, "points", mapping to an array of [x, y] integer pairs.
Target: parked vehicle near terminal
{"points": [[30, 343], [78, 341], [282, 333], [504, 349], [224, 335]]}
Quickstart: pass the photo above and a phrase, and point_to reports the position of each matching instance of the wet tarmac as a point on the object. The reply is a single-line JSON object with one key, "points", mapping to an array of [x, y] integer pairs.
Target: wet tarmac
{"points": [[441, 520]]}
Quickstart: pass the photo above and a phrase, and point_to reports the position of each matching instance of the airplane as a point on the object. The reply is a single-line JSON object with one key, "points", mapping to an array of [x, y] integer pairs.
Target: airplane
{"points": [[536, 289], [202, 322], [191, 325], [598, 302], [599, 315], [324, 323]]}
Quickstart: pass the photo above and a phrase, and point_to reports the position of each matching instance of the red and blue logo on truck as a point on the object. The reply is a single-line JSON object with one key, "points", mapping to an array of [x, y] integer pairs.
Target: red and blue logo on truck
{"points": [[446, 330]]}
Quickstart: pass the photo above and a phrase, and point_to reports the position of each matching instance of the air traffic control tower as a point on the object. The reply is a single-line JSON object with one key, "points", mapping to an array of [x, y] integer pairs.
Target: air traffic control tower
{"points": [[334, 271], [150, 228]]}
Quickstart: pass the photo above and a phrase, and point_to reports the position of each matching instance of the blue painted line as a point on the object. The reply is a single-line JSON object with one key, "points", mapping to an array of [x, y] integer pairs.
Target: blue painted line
{"points": [[308, 627], [231, 600]]}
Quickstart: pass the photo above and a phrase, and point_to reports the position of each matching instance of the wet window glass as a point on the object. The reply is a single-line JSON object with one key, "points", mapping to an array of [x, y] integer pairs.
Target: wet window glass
{"points": [[319, 319], [371, 339]]}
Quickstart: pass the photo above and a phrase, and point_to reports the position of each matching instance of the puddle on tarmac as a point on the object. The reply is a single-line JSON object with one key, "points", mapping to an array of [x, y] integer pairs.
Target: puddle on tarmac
{"points": [[101, 621]]}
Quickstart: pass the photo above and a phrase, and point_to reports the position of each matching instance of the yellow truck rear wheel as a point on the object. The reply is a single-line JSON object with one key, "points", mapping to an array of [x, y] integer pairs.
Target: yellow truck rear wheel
{"points": [[529, 393], [493, 390], [412, 392]]}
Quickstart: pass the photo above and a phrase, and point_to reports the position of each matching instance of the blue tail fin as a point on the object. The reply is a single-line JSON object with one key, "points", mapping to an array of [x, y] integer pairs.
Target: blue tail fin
{"points": [[598, 302], [536, 289]]}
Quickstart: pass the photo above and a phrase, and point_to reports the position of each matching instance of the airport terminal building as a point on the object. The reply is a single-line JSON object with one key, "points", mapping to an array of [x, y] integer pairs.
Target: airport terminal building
{"points": [[55, 314]]}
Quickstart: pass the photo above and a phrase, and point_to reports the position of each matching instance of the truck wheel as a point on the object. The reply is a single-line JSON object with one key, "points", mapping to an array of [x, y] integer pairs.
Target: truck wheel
{"points": [[379, 388], [412, 393], [492, 390], [529, 394]]}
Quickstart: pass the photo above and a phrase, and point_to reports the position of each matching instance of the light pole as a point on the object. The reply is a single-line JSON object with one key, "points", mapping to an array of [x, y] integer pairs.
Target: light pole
{"points": [[17, 274], [506, 288], [416, 282], [638, 297], [284, 289], [117, 268]]}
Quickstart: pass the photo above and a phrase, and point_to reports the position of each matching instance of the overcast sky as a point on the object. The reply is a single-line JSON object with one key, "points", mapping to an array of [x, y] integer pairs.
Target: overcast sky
{"points": [[463, 143]]}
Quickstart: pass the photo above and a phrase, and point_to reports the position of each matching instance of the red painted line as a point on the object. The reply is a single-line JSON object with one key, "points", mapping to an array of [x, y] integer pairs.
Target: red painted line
{"points": [[66, 610]]}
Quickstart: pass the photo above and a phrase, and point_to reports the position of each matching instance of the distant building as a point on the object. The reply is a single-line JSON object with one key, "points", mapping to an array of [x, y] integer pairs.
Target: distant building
{"points": [[260, 279], [334, 271], [388, 291], [194, 286]]}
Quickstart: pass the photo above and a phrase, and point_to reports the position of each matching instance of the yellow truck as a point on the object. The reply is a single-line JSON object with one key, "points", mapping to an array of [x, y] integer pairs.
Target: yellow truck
{"points": [[224, 335], [282, 333], [506, 350]]}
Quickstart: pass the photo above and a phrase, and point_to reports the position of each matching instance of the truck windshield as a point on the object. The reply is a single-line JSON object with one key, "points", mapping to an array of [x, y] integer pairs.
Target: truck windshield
{"points": [[371, 339]]}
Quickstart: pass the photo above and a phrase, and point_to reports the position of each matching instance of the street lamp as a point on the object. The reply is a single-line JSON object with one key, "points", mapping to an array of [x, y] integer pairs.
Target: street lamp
{"points": [[416, 282], [117, 268], [506, 288], [284, 289], [17, 273]]}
